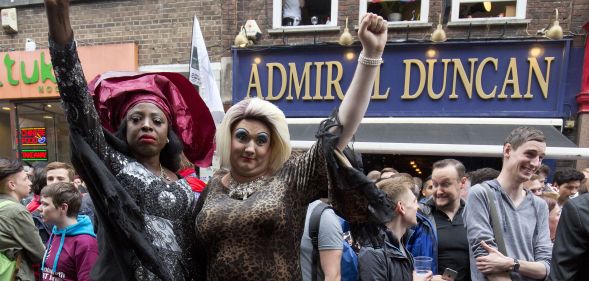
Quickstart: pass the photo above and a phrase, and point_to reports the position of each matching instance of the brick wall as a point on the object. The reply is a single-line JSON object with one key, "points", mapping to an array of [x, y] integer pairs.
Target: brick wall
{"points": [[162, 29], [540, 12]]}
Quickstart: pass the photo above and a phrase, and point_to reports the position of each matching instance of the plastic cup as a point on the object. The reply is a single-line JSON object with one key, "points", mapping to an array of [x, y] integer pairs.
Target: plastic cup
{"points": [[422, 265]]}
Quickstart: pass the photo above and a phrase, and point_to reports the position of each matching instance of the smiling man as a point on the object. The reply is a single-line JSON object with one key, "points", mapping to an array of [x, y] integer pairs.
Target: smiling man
{"points": [[522, 216], [440, 233]]}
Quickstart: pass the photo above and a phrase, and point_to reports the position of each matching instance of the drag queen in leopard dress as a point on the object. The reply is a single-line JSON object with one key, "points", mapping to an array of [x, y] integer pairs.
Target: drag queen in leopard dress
{"points": [[251, 219]]}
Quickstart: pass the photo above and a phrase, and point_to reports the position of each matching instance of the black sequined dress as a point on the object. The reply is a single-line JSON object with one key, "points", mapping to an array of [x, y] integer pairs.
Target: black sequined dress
{"points": [[145, 225]]}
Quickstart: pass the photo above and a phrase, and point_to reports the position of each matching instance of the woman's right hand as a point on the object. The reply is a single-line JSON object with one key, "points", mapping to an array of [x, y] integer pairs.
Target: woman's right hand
{"points": [[373, 35], [58, 18]]}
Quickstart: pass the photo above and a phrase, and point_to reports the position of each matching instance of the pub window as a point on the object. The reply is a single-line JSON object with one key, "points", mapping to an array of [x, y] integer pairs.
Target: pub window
{"points": [[304, 13], [467, 10], [397, 11]]}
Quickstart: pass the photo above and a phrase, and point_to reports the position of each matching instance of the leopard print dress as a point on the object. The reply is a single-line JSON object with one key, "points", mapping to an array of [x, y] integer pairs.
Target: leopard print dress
{"points": [[258, 238]]}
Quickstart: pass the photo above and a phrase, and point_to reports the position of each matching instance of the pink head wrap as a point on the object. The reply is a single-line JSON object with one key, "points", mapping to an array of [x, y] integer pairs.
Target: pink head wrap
{"points": [[115, 93]]}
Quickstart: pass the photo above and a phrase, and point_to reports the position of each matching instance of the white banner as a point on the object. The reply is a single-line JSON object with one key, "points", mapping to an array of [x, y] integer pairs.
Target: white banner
{"points": [[202, 76]]}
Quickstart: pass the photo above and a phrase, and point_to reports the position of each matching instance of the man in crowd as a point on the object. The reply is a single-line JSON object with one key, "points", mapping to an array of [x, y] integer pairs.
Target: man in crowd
{"points": [[387, 172], [59, 172], [440, 232], [567, 182], [543, 172], [534, 185], [418, 183], [427, 189], [570, 254], [19, 239], [72, 249], [64, 172], [481, 175], [521, 218], [80, 185], [330, 245]]}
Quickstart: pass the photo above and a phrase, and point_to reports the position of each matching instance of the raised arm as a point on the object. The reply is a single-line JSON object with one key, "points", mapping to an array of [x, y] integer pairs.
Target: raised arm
{"points": [[58, 17], [373, 35], [73, 88]]}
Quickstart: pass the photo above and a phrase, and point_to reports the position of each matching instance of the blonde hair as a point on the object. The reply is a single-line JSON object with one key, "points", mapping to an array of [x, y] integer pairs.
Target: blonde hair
{"points": [[265, 112], [396, 186], [551, 194]]}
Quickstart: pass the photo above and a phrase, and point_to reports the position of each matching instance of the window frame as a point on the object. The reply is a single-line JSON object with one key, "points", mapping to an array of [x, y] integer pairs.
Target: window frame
{"points": [[423, 15], [277, 18], [4, 4], [520, 11]]}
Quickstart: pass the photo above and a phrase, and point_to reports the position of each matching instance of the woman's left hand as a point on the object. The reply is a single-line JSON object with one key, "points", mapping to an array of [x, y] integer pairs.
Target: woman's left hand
{"points": [[373, 35]]}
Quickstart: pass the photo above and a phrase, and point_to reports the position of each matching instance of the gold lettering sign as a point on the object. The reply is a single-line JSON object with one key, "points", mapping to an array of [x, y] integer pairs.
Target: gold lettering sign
{"points": [[328, 76]]}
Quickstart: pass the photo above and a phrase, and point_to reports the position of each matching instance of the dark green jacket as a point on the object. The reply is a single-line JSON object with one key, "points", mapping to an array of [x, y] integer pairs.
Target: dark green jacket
{"points": [[18, 235]]}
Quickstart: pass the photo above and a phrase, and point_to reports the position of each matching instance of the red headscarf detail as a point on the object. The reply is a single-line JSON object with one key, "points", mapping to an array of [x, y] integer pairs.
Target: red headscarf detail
{"points": [[115, 93]]}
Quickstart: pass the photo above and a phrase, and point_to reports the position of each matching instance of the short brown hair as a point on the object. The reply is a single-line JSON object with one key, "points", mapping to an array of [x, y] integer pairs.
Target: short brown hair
{"points": [[545, 169], [8, 168], [482, 175], [60, 165], [535, 177], [64, 192], [460, 169], [521, 135]]}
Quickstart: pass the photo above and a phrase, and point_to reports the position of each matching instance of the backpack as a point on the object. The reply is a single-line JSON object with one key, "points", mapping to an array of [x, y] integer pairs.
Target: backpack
{"points": [[349, 261], [8, 267]]}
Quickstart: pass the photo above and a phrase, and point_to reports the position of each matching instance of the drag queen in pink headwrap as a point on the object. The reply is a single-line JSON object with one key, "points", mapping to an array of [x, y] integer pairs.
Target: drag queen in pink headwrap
{"points": [[127, 132]]}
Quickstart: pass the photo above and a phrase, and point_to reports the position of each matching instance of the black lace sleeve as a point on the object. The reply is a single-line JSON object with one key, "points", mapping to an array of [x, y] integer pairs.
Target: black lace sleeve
{"points": [[77, 102], [351, 193]]}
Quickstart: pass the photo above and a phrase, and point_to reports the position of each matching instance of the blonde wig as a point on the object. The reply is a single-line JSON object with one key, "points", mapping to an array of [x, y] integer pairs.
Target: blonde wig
{"points": [[265, 112]]}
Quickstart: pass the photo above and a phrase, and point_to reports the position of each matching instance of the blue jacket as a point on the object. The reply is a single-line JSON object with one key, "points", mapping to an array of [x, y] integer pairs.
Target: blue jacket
{"points": [[422, 239]]}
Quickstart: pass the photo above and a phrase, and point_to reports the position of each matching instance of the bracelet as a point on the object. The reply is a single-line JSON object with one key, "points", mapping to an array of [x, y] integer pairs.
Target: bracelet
{"points": [[369, 61]]}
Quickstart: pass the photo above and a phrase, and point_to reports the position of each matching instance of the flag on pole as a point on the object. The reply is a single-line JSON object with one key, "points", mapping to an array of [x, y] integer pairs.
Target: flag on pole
{"points": [[202, 76]]}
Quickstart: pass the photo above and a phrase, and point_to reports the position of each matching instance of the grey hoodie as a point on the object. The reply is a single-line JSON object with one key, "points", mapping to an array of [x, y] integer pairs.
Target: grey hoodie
{"points": [[525, 228]]}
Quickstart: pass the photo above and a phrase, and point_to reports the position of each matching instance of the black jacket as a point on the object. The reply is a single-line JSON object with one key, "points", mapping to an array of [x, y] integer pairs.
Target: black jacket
{"points": [[570, 253], [386, 263]]}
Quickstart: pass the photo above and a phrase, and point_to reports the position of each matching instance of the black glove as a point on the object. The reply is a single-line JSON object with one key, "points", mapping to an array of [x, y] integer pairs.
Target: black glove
{"points": [[380, 207]]}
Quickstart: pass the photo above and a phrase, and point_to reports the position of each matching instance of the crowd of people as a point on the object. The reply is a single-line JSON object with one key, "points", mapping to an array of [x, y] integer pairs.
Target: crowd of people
{"points": [[130, 207]]}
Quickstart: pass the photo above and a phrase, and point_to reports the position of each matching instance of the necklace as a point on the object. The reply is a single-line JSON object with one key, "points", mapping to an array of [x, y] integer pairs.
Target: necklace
{"points": [[244, 190], [163, 175]]}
